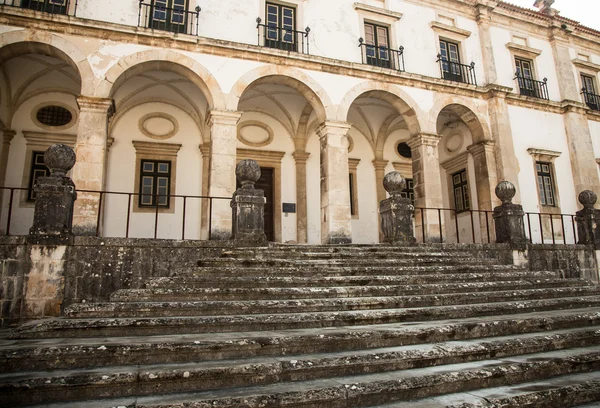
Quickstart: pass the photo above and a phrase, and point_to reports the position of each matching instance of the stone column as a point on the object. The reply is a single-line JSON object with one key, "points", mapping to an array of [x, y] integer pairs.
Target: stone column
{"points": [[248, 207], [301, 205], [336, 227], [396, 212], [223, 140], [204, 217], [55, 198], [7, 137], [484, 11], [485, 179], [588, 220], [507, 165], [508, 218], [427, 184], [90, 169]]}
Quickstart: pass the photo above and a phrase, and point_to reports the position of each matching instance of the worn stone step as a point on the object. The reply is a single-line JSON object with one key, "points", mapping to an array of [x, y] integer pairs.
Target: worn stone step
{"points": [[62, 327], [237, 307], [377, 389], [49, 354], [561, 392], [34, 387]]}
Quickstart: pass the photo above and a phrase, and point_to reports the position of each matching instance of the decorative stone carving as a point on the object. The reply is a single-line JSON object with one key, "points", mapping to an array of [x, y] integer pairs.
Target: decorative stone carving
{"points": [[508, 217], [248, 206], [588, 220], [396, 212], [263, 131], [55, 198], [158, 125]]}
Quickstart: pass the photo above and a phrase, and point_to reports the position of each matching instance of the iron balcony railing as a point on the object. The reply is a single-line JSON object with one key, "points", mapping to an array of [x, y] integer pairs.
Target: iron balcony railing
{"points": [[65, 7], [531, 87], [457, 72], [382, 56], [591, 99], [282, 38], [176, 20]]}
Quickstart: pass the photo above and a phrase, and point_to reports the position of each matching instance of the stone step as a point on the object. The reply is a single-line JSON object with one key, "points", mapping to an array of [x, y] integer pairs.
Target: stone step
{"points": [[52, 354], [238, 307], [327, 271], [62, 327], [565, 392], [396, 254], [35, 387], [381, 388]]}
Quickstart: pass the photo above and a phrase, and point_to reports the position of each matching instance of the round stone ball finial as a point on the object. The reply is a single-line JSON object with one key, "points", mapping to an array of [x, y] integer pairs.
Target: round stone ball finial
{"points": [[588, 198], [505, 191], [59, 159], [394, 183], [247, 172]]}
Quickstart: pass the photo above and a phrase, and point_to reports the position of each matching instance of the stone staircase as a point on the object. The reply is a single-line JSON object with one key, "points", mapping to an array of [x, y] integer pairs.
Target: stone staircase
{"points": [[320, 326]]}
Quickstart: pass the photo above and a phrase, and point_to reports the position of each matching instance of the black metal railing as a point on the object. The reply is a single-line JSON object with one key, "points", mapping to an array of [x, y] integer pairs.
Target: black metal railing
{"points": [[130, 221], [531, 87], [591, 99], [457, 72], [175, 20], [382, 56], [546, 228], [282, 38], [64, 7]]}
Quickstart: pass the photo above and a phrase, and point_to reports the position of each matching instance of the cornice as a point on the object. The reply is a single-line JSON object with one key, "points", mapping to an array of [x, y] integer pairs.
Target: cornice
{"points": [[530, 52], [151, 148], [586, 64], [381, 13], [543, 154], [449, 30], [534, 103], [47, 138]]}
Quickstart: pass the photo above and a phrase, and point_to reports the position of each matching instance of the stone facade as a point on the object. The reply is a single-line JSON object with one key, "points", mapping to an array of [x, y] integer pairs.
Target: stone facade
{"points": [[220, 96]]}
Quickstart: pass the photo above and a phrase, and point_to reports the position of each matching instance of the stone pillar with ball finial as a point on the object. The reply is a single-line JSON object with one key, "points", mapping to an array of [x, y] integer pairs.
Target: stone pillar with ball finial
{"points": [[248, 206], [588, 220], [508, 218], [54, 199], [396, 212]]}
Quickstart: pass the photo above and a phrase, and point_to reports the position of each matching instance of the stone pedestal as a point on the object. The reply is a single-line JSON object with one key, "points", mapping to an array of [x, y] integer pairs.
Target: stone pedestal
{"points": [[336, 227], [55, 198], [508, 218], [248, 207], [396, 212], [588, 220]]}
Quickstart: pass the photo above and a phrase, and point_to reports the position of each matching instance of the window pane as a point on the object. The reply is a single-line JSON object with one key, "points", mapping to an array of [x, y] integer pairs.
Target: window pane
{"points": [[148, 167], [163, 167], [39, 159], [369, 34]]}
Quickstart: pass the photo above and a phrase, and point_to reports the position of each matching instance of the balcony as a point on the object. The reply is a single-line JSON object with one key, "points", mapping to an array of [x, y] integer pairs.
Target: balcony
{"points": [[63, 7], [175, 20], [533, 88], [282, 38], [457, 72], [382, 56], [591, 100]]}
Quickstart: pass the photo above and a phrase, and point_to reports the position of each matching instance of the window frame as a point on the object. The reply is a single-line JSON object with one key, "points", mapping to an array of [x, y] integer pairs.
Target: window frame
{"points": [[547, 184], [447, 73], [593, 102], [463, 185], [170, 10], [277, 43], [526, 84], [353, 187], [63, 8], [154, 175], [385, 61], [33, 169]]}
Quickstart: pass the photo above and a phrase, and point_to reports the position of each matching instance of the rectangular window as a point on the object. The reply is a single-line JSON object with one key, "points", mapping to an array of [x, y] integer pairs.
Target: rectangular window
{"points": [[545, 183], [450, 57], [352, 195], [155, 183], [377, 45], [48, 6], [460, 187], [169, 15], [38, 169], [409, 192], [281, 25], [589, 92], [525, 77]]}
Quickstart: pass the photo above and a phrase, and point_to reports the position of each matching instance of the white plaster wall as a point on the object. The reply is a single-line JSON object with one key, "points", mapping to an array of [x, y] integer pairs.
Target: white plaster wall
{"points": [[544, 66], [233, 20], [121, 178], [113, 11]]}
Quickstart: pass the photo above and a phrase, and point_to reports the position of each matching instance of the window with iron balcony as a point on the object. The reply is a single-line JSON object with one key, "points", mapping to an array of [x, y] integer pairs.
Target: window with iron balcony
{"points": [[169, 15], [279, 30], [450, 64], [528, 86]]}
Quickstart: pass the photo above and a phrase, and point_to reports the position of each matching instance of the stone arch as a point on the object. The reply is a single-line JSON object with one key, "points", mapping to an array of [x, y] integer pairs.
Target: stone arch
{"points": [[467, 111], [155, 60], [282, 75], [15, 43], [393, 95]]}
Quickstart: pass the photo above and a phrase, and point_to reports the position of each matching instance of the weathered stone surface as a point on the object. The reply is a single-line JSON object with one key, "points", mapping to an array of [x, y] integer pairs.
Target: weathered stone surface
{"points": [[508, 218], [248, 207], [396, 212], [588, 220]]}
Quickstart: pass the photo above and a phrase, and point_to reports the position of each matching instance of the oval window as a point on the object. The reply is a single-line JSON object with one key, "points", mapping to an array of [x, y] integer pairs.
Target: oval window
{"points": [[404, 150], [53, 115]]}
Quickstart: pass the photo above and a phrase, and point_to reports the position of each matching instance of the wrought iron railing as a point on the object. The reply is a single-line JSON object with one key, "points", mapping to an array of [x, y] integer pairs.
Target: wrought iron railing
{"points": [[382, 56], [65, 7], [457, 72], [591, 99], [531, 87], [175, 20], [282, 38]]}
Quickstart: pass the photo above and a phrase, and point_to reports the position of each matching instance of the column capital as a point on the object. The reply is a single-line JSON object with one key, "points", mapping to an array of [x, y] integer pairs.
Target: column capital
{"points": [[427, 139], [205, 150], [481, 147], [328, 127], [8, 135], [97, 105], [220, 117], [300, 156], [380, 164]]}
